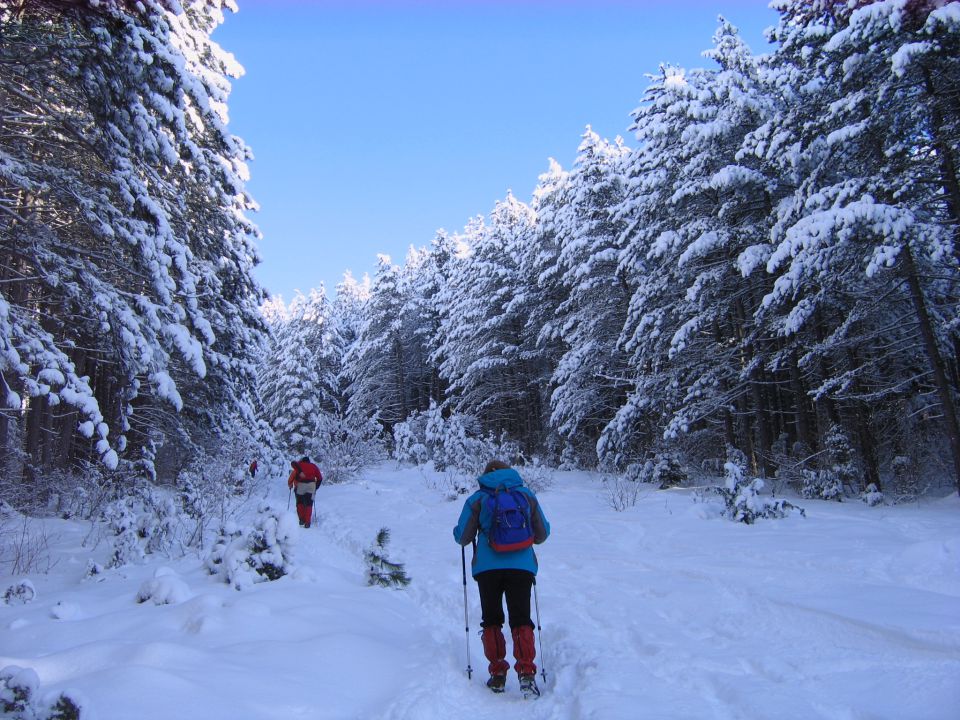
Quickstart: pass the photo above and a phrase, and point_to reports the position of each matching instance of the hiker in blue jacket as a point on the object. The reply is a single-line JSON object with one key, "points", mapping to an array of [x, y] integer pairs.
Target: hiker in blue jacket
{"points": [[500, 573]]}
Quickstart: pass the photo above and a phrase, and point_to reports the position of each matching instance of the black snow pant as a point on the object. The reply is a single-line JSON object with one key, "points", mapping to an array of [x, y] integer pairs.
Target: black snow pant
{"points": [[516, 585]]}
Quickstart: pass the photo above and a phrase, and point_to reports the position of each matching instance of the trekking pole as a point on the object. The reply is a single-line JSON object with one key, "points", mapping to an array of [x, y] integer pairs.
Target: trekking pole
{"points": [[536, 602], [466, 621], [289, 495]]}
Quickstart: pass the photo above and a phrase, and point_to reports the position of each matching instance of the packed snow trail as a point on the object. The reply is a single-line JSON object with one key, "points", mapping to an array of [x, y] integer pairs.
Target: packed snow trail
{"points": [[668, 609], [662, 611]]}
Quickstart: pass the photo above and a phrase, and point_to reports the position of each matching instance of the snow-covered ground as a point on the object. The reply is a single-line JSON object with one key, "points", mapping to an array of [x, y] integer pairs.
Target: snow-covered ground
{"points": [[661, 611]]}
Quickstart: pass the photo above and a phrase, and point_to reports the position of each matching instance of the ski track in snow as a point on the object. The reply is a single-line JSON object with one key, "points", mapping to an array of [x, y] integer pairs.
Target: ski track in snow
{"points": [[661, 611]]}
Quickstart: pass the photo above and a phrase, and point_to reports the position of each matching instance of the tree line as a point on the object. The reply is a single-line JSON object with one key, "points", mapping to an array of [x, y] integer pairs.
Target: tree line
{"points": [[770, 269]]}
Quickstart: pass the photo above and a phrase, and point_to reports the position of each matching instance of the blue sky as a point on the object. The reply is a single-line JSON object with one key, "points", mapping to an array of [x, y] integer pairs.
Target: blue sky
{"points": [[373, 124]]}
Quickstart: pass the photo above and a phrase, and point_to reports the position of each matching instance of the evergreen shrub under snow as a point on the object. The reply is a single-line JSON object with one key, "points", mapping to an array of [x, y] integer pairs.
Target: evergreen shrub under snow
{"points": [[164, 588], [664, 470], [741, 496], [20, 699], [20, 593], [121, 526], [824, 484], [145, 522], [872, 496], [840, 467], [160, 524], [242, 557]]}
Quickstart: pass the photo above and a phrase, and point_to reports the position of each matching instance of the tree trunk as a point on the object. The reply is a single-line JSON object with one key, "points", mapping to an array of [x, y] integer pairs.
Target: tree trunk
{"points": [[868, 448], [826, 408], [400, 379], [944, 391], [729, 435], [800, 401], [764, 442]]}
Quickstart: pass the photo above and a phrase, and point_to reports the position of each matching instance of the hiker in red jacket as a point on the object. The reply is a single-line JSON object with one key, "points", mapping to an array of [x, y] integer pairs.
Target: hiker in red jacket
{"points": [[304, 479]]}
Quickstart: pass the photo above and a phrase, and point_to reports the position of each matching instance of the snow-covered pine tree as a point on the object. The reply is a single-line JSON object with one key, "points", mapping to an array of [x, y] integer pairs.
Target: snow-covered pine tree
{"points": [[121, 527], [488, 358], [300, 382], [351, 298], [214, 217], [865, 261], [696, 207], [424, 305], [649, 174], [377, 362], [263, 553], [743, 501], [541, 270], [721, 200], [590, 380], [126, 230], [380, 569], [424, 275]]}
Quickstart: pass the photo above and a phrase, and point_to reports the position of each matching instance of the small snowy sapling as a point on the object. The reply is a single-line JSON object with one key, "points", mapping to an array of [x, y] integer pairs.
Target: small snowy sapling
{"points": [[824, 484], [381, 570], [122, 528], [871, 496], [741, 495], [664, 470], [19, 699], [242, 558]]}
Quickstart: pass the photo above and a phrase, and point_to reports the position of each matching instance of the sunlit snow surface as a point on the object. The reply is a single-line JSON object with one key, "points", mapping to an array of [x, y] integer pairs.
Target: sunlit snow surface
{"points": [[662, 611]]}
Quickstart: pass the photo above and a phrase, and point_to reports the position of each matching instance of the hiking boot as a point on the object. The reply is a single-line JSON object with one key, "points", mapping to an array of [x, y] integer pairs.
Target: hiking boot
{"points": [[497, 683], [528, 686]]}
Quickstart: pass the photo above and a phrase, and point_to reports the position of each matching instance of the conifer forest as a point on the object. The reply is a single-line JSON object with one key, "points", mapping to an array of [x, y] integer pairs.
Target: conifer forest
{"points": [[766, 267]]}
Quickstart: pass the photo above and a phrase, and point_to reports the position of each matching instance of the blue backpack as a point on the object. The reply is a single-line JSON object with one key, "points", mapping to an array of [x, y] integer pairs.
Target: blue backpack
{"points": [[510, 528]]}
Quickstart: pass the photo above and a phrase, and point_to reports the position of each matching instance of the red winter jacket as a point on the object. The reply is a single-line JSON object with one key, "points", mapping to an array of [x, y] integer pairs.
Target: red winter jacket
{"points": [[304, 472]]}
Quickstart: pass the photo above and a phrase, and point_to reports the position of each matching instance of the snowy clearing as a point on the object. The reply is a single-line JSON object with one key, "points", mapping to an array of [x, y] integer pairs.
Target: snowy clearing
{"points": [[664, 611]]}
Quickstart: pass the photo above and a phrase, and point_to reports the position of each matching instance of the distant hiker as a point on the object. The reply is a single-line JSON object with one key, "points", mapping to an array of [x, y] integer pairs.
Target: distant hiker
{"points": [[304, 480], [253, 469], [505, 518]]}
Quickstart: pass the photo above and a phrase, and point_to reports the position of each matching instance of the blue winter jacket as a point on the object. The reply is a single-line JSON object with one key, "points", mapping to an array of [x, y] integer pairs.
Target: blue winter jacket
{"points": [[475, 520]]}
